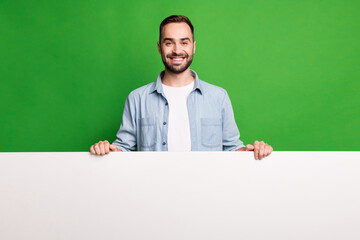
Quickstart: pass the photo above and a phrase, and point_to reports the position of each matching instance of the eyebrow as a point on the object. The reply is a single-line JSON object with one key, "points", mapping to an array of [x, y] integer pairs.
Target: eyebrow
{"points": [[172, 39]]}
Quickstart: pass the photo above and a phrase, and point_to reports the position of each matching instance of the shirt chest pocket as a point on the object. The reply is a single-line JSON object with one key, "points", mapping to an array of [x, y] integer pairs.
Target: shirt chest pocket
{"points": [[211, 132], [147, 133]]}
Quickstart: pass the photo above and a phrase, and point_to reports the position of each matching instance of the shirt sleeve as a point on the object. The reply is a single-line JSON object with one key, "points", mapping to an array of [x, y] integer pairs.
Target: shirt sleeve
{"points": [[230, 134], [126, 136]]}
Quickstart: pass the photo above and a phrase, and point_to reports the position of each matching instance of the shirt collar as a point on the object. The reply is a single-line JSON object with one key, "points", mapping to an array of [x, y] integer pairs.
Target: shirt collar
{"points": [[158, 84]]}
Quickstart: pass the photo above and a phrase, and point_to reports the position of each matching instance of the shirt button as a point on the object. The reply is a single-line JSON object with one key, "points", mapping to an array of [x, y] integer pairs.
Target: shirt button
{"points": [[164, 143], [164, 123], [166, 104]]}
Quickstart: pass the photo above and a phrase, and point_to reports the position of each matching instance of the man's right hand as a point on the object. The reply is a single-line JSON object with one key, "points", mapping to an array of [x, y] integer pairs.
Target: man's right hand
{"points": [[103, 147]]}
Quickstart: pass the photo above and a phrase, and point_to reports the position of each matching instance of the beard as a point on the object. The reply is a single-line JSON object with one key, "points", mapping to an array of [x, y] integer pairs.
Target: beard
{"points": [[177, 68]]}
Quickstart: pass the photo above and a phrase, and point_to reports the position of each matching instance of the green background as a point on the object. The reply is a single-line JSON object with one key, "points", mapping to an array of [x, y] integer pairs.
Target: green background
{"points": [[291, 68]]}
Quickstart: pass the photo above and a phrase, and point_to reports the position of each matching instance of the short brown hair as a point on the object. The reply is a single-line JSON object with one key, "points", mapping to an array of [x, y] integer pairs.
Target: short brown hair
{"points": [[176, 19]]}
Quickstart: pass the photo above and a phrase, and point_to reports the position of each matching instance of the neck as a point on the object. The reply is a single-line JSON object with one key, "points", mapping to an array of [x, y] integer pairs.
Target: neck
{"points": [[177, 79]]}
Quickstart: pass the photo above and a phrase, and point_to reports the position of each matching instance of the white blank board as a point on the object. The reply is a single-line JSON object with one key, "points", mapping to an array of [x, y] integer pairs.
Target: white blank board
{"points": [[193, 195]]}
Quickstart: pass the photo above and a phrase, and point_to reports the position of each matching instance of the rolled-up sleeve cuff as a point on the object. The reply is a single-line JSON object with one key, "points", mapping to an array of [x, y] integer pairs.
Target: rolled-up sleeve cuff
{"points": [[121, 147], [234, 147]]}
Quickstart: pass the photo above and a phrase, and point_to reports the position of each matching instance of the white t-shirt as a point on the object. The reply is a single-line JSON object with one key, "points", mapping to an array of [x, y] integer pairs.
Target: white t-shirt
{"points": [[179, 138]]}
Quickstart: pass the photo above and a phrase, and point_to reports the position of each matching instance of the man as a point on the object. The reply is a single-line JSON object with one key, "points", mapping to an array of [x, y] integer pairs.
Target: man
{"points": [[178, 112]]}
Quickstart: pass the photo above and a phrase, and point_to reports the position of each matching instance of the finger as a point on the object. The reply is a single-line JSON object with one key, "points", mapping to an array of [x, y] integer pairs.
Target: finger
{"points": [[107, 147], [261, 149], [249, 147], [102, 148], [92, 150], [256, 149], [97, 149], [113, 148], [267, 150]]}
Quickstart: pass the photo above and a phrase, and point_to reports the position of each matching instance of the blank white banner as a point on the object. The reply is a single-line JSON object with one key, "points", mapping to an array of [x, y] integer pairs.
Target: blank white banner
{"points": [[194, 195]]}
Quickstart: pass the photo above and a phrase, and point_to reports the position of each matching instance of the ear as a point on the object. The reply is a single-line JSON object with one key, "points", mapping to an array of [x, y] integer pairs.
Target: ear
{"points": [[159, 47], [194, 46]]}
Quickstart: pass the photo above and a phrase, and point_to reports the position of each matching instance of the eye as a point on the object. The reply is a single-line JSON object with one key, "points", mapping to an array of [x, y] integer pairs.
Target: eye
{"points": [[184, 43], [167, 43]]}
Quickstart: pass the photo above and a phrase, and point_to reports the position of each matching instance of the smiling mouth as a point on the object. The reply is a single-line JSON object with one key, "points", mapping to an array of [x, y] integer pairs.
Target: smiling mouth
{"points": [[177, 59]]}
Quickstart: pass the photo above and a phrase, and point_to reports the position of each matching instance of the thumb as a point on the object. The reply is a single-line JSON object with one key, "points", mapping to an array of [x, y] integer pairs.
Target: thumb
{"points": [[250, 147], [113, 148]]}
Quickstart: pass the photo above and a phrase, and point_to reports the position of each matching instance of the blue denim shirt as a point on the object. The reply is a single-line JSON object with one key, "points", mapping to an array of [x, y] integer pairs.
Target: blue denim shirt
{"points": [[212, 125]]}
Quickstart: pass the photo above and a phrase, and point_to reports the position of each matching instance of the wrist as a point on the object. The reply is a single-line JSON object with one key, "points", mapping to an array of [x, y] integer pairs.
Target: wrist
{"points": [[241, 149]]}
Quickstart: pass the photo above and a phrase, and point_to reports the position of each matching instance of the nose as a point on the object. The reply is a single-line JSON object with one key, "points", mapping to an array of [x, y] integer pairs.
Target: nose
{"points": [[177, 49]]}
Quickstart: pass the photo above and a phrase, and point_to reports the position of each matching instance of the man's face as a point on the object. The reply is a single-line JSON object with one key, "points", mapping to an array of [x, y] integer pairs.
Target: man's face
{"points": [[177, 47]]}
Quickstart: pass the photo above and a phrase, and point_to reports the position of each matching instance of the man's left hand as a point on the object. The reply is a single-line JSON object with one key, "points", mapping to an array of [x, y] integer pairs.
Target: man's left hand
{"points": [[260, 149]]}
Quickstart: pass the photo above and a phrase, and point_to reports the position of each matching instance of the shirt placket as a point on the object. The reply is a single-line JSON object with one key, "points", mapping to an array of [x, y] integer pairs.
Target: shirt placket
{"points": [[192, 120], [164, 125]]}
